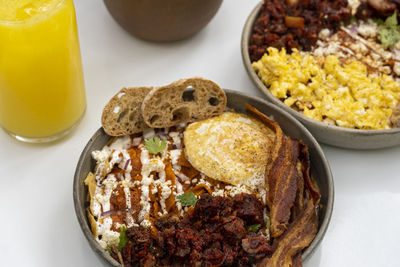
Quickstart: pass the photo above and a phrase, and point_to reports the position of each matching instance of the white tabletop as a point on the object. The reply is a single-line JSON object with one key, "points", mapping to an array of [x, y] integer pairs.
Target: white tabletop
{"points": [[38, 226]]}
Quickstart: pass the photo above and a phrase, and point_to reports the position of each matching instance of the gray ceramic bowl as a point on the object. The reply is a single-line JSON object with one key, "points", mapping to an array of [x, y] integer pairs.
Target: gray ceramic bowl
{"points": [[320, 169], [328, 134]]}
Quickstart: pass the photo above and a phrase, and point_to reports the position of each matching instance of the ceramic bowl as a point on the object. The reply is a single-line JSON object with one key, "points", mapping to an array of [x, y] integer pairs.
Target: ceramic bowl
{"points": [[320, 169], [160, 20], [328, 134]]}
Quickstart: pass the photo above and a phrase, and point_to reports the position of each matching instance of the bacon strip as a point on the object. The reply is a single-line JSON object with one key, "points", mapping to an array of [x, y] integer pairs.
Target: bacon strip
{"points": [[298, 236], [283, 180], [282, 176], [291, 197], [305, 159]]}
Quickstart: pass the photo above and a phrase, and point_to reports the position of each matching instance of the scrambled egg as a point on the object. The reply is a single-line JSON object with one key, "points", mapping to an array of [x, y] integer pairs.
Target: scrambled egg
{"points": [[343, 95]]}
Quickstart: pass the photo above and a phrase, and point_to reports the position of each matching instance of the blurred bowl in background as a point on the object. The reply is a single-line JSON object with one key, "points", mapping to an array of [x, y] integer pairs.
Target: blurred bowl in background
{"points": [[162, 20], [323, 132]]}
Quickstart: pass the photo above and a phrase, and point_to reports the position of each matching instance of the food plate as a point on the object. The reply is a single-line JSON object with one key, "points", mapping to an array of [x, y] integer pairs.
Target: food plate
{"points": [[320, 170], [323, 132]]}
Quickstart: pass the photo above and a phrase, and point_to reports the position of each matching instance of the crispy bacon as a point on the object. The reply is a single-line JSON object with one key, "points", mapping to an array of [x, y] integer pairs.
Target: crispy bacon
{"points": [[298, 236], [305, 159], [291, 197], [281, 177]]}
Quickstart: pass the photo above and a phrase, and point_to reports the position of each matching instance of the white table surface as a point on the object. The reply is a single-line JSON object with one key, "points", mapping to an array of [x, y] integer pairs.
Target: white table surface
{"points": [[38, 226]]}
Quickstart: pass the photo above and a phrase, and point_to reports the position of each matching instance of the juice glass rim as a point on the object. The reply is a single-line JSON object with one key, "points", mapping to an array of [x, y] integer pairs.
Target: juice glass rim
{"points": [[54, 9]]}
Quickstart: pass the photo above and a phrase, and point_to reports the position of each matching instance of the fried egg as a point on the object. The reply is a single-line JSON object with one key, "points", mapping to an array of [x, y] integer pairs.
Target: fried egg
{"points": [[232, 148]]}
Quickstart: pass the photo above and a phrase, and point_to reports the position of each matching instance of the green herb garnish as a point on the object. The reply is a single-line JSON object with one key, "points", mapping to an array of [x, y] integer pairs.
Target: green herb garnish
{"points": [[389, 33], [267, 222], [109, 249], [123, 239], [253, 228], [392, 20], [187, 199], [155, 145]]}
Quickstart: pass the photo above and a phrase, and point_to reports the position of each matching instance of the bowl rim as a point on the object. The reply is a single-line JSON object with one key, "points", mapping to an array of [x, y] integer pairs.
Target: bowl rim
{"points": [[81, 213], [246, 35], [323, 226]]}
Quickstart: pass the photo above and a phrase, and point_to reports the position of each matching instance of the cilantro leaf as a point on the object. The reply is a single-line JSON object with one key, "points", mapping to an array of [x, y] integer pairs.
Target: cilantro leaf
{"points": [[123, 239], [392, 20], [388, 33], [388, 37], [155, 145], [187, 199], [253, 228]]}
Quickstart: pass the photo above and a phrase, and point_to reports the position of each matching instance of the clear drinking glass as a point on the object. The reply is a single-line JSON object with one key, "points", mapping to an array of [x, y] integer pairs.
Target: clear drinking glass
{"points": [[42, 93]]}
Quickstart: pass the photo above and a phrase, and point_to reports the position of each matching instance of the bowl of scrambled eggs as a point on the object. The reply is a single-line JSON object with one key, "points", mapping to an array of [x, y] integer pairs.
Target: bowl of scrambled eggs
{"points": [[340, 102]]}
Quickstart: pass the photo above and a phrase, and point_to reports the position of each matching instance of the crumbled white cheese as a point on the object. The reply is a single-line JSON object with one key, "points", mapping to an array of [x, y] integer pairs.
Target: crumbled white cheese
{"points": [[353, 4], [179, 191], [324, 33], [175, 137], [145, 223], [367, 29], [104, 225], [123, 142], [100, 155], [109, 238], [396, 68], [235, 190], [218, 193], [174, 155]]}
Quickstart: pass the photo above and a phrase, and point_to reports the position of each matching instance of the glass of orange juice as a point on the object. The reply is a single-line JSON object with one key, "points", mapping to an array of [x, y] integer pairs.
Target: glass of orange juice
{"points": [[42, 93]]}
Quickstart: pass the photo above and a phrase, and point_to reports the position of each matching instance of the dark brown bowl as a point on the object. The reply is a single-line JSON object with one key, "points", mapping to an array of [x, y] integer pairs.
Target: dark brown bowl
{"points": [[323, 132], [320, 169], [162, 20]]}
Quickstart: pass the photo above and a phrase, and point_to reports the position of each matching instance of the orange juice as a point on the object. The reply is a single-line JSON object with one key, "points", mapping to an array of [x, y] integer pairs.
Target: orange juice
{"points": [[42, 91]]}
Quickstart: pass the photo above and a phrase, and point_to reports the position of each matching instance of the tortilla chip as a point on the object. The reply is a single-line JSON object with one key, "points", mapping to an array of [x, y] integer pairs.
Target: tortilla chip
{"points": [[92, 222], [90, 182]]}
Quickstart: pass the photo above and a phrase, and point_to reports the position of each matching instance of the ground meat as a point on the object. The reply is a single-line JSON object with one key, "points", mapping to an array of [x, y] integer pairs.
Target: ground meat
{"points": [[249, 208], [214, 234], [294, 25]]}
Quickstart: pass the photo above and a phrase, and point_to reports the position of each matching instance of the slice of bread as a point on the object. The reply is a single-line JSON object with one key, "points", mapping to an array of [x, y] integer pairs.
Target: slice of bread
{"points": [[122, 114], [183, 101]]}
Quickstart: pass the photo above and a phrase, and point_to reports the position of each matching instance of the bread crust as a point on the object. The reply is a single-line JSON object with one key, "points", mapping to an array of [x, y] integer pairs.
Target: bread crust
{"points": [[122, 114], [166, 106]]}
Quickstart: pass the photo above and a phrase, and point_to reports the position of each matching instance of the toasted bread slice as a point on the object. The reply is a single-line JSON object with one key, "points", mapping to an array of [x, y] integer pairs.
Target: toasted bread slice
{"points": [[122, 114], [185, 100]]}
